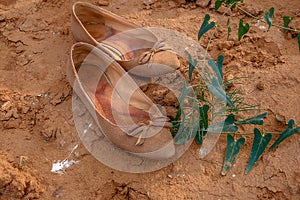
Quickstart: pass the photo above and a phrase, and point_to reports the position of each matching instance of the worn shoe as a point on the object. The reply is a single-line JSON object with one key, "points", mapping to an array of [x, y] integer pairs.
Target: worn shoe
{"points": [[127, 117], [126, 42]]}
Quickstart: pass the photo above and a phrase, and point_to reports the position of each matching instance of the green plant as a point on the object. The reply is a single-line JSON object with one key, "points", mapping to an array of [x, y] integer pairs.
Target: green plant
{"points": [[213, 90]]}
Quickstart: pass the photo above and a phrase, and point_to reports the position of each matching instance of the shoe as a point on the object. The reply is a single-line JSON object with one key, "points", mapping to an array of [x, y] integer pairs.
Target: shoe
{"points": [[127, 43], [128, 118]]}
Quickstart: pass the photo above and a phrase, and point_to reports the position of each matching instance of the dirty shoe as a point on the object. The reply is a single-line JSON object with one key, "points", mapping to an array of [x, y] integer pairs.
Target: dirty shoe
{"points": [[128, 118], [127, 43]]}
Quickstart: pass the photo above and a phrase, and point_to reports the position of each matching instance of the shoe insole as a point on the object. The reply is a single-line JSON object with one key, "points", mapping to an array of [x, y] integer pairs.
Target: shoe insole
{"points": [[120, 45], [100, 90], [126, 44]]}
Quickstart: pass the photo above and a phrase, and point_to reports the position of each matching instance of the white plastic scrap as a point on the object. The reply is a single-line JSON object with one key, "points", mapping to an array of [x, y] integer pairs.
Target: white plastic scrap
{"points": [[60, 166]]}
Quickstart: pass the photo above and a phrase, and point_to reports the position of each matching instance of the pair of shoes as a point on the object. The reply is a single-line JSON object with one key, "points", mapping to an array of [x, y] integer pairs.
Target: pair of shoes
{"points": [[108, 47]]}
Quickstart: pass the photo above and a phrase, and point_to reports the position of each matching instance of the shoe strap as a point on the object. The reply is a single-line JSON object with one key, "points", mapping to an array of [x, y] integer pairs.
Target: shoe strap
{"points": [[158, 47]]}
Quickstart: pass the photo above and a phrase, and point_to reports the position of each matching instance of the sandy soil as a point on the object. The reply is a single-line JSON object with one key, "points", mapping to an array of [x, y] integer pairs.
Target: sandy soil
{"points": [[36, 112]]}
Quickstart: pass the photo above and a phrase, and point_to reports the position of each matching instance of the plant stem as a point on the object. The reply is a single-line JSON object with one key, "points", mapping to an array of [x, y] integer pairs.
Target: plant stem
{"points": [[211, 36], [260, 19]]}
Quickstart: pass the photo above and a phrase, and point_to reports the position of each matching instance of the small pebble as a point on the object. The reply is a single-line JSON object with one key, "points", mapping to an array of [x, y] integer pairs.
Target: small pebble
{"points": [[102, 3], [260, 86], [254, 11], [58, 192], [148, 2], [172, 4], [180, 2], [202, 3]]}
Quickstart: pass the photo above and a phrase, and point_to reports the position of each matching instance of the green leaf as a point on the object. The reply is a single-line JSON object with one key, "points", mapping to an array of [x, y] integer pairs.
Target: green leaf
{"points": [[286, 133], [243, 29], [232, 149], [182, 136], [205, 26], [220, 65], [184, 93], [204, 116], [298, 37], [229, 124], [185, 128], [260, 143], [178, 113], [226, 126], [218, 91], [286, 22], [233, 2], [218, 4], [203, 123], [179, 136], [217, 67], [254, 120], [192, 65], [200, 136], [229, 30], [186, 132], [176, 123], [269, 17], [201, 94]]}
